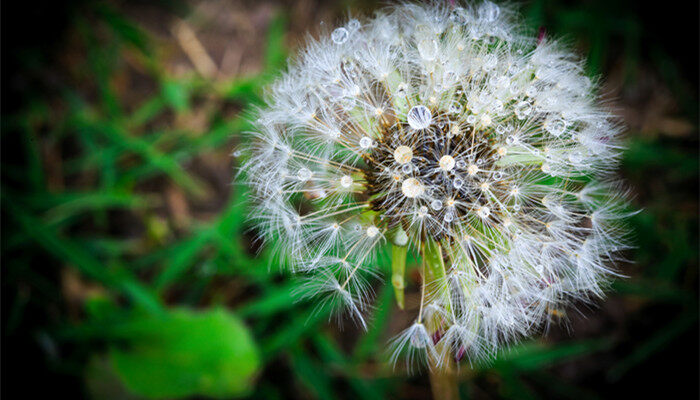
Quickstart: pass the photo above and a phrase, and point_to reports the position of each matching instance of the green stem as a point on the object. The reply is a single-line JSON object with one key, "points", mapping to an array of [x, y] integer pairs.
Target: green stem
{"points": [[444, 382], [398, 272], [443, 379]]}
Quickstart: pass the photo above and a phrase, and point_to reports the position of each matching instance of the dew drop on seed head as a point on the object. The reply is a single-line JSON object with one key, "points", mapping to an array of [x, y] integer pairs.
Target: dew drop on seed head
{"points": [[490, 62], [340, 36], [304, 174], [449, 217], [436, 205], [471, 119], [457, 183], [419, 117], [346, 181], [372, 231], [406, 169], [354, 24], [483, 212], [489, 11], [401, 89], [523, 109], [427, 49], [531, 91], [455, 107], [365, 142], [556, 127]]}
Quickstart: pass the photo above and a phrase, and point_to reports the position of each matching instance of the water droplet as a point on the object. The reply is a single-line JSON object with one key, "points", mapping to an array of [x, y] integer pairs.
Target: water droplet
{"points": [[419, 117], [483, 212], [516, 207], [503, 82], [471, 119], [340, 36], [455, 107], [449, 217], [456, 15], [427, 49], [372, 231], [498, 106], [347, 102], [500, 129], [365, 142], [576, 157], [457, 183], [490, 62], [422, 210], [556, 126], [523, 109], [498, 175], [304, 174], [407, 168], [461, 164], [436, 205], [401, 89], [531, 91], [354, 24], [489, 11], [346, 181]]}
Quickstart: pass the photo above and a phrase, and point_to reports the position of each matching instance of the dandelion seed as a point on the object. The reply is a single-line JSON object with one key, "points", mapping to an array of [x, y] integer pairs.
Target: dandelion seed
{"points": [[447, 162], [403, 154]]}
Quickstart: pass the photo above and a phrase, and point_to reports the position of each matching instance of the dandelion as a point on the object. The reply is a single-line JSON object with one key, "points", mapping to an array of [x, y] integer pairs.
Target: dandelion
{"points": [[448, 132]]}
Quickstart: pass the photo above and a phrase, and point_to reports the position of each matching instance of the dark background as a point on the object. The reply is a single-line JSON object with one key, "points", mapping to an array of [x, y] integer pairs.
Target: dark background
{"points": [[116, 146]]}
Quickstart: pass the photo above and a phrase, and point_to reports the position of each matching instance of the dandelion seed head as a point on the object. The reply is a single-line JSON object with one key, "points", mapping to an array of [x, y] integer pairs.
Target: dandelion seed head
{"points": [[446, 125]]}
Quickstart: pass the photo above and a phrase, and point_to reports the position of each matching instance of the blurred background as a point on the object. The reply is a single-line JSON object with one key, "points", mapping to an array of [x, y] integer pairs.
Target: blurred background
{"points": [[128, 267]]}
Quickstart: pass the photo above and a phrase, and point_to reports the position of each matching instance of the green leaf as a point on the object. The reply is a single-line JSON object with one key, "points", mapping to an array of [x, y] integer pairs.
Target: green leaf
{"points": [[186, 353], [176, 93], [534, 355]]}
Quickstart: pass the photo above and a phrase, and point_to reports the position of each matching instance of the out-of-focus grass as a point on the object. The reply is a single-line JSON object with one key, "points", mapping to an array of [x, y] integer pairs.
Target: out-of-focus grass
{"points": [[130, 197]]}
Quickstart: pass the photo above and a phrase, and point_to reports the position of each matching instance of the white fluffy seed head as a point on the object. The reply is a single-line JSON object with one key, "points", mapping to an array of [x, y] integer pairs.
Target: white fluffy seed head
{"points": [[439, 123]]}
